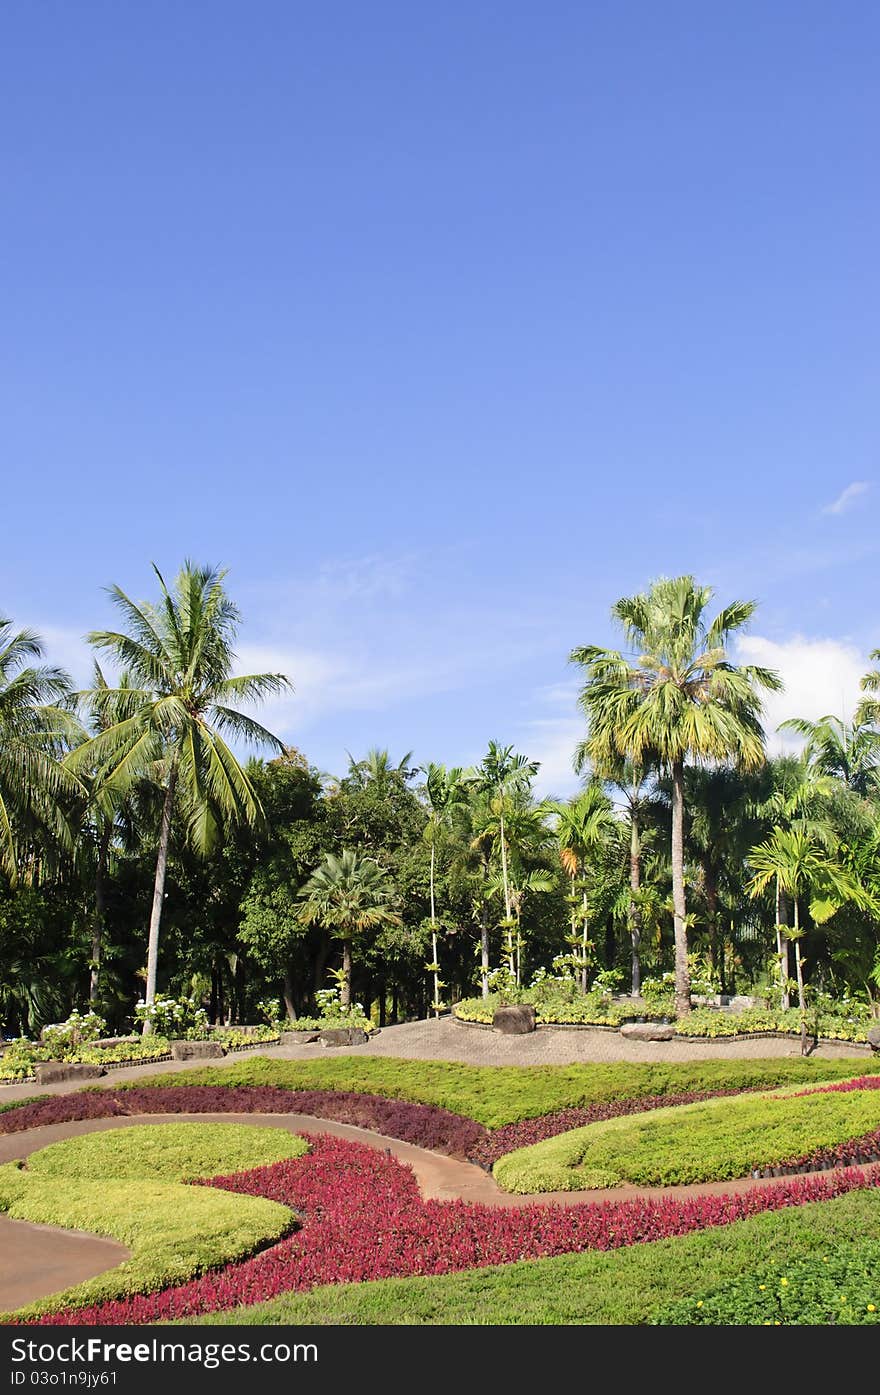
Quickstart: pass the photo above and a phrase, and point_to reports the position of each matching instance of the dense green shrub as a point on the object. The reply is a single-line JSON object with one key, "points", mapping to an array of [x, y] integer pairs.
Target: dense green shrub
{"points": [[20, 1057], [496, 1095], [710, 1141], [596, 1008]]}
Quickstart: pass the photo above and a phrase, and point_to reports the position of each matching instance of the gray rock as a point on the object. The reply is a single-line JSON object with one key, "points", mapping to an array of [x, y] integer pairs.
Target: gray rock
{"points": [[874, 1038], [225, 1027], [647, 1031], [515, 1019], [56, 1072], [196, 1050], [298, 1038], [342, 1036], [113, 1041]]}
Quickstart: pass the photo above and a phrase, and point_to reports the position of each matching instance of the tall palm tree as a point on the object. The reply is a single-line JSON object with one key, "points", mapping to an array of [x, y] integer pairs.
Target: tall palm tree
{"points": [[680, 698], [583, 825], [631, 781], [171, 724], [106, 810], [501, 774], [797, 800], [447, 794], [844, 751], [36, 721], [797, 861], [347, 895], [377, 768]]}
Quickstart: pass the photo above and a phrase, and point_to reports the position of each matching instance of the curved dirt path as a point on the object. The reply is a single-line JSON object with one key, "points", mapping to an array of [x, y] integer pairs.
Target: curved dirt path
{"points": [[41, 1260]]}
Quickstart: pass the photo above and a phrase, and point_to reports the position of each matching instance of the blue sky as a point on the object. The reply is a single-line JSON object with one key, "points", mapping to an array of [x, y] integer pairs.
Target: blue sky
{"points": [[442, 326]]}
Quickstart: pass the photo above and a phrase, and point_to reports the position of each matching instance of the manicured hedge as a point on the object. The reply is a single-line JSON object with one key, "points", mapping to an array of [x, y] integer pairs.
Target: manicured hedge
{"points": [[709, 1141], [364, 1218], [496, 1095]]}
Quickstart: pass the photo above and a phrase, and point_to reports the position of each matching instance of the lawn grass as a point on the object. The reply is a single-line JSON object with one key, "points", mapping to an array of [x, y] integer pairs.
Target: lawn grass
{"points": [[174, 1232], [497, 1095], [630, 1286], [166, 1152], [713, 1140]]}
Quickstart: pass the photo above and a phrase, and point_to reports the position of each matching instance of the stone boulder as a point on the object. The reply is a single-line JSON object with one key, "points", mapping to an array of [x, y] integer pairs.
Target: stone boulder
{"points": [[874, 1038], [342, 1036], [57, 1072], [196, 1050], [514, 1020], [647, 1031], [113, 1041], [298, 1038]]}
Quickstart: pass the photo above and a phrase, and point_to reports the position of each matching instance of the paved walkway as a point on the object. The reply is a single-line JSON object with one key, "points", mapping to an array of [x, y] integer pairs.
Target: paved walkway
{"points": [[36, 1260], [36, 1265], [448, 1040]]}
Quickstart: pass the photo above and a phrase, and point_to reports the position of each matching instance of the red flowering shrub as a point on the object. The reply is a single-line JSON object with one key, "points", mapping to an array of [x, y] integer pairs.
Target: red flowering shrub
{"points": [[363, 1218]]}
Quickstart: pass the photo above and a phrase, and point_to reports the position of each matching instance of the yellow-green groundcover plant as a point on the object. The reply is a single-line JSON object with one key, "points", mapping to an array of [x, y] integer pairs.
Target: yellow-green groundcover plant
{"points": [[130, 1184], [709, 1141]]}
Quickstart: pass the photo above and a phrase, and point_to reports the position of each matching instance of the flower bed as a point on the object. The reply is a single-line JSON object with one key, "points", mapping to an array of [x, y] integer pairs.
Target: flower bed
{"points": [[363, 1218], [525, 1132], [127, 1184], [708, 1141], [421, 1124]]}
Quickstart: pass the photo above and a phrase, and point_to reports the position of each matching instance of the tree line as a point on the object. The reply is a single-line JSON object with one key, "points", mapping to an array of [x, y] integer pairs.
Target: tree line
{"points": [[142, 848]]}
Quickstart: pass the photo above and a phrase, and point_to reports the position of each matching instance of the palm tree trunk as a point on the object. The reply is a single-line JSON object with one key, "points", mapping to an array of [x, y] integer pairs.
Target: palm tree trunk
{"points": [[345, 995], [504, 868], [434, 960], [635, 881], [98, 921], [800, 978], [484, 950], [159, 891], [682, 977], [782, 944], [584, 941]]}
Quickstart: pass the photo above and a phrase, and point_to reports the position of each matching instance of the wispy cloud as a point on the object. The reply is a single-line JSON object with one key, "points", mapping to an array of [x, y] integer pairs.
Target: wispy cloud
{"points": [[847, 497]]}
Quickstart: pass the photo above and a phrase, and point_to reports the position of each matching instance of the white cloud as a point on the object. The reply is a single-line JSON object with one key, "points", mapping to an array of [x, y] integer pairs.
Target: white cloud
{"points": [[552, 741], [845, 499], [821, 676]]}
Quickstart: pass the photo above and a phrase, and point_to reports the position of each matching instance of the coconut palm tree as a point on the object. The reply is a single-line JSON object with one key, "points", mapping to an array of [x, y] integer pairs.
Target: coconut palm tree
{"points": [[347, 895], [678, 696], [798, 862], [106, 811], [447, 794], [583, 826], [171, 724], [377, 768], [36, 721]]}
